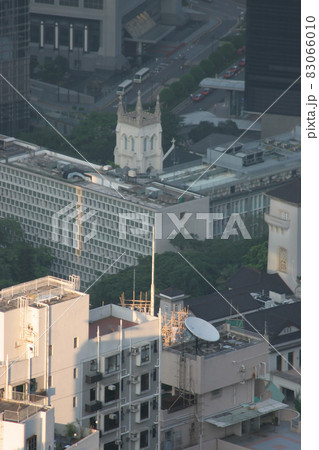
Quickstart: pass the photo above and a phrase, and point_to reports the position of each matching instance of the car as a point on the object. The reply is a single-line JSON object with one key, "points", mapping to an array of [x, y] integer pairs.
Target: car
{"points": [[242, 62], [198, 97], [234, 69], [228, 74], [206, 91]]}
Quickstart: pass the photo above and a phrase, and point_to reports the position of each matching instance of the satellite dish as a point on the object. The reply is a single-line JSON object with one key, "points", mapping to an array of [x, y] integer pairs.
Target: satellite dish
{"points": [[202, 329]]}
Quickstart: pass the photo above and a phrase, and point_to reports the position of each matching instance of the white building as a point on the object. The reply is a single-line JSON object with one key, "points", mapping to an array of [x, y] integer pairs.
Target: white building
{"points": [[120, 369], [43, 329], [26, 425], [139, 139], [284, 245], [212, 390], [80, 210]]}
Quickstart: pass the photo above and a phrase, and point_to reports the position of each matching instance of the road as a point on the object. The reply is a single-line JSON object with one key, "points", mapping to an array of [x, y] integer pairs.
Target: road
{"points": [[224, 16]]}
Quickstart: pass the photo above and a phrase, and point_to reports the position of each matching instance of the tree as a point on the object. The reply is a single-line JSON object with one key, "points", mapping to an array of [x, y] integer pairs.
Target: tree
{"points": [[207, 67], [228, 51], [197, 73], [256, 256], [171, 124], [297, 402], [178, 89], [188, 82], [167, 97]]}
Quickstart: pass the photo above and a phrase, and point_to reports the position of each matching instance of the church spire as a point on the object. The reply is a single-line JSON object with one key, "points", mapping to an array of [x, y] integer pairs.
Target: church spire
{"points": [[120, 110], [158, 108], [139, 107]]}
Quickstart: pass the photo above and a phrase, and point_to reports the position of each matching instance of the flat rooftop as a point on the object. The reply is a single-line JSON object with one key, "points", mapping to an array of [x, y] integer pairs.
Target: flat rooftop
{"points": [[18, 411], [230, 340], [119, 183], [108, 325], [47, 290], [280, 153]]}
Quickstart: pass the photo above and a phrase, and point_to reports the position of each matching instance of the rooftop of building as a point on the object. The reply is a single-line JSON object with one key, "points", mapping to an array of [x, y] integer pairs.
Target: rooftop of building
{"points": [[120, 183], [231, 339], [19, 410], [232, 162], [109, 317], [37, 293], [254, 280], [290, 192]]}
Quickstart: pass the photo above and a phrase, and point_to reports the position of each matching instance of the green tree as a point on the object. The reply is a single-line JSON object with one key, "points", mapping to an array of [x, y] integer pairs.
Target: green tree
{"points": [[167, 97], [256, 256], [188, 82], [207, 67], [228, 51], [197, 73]]}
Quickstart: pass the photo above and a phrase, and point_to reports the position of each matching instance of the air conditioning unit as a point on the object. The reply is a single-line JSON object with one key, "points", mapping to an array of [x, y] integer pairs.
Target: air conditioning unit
{"points": [[242, 368], [118, 442], [111, 387], [30, 350], [134, 351], [112, 416], [134, 436], [134, 380], [134, 408]]}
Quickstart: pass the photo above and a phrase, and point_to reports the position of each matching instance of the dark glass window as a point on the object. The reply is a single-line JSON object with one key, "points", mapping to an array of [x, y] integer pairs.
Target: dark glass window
{"points": [[278, 362], [111, 392], [78, 37], [35, 32], [64, 35], [48, 33], [69, 3], [144, 439], [32, 443], [93, 4], [145, 382], [92, 394], [144, 410], [111, 421], [145, 352]]}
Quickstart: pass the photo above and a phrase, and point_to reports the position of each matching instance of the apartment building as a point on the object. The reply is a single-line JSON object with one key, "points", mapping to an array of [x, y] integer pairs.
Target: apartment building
{"points": [[120, 371], [214, 390], [93, 218], [26, 424], [43, 328]]}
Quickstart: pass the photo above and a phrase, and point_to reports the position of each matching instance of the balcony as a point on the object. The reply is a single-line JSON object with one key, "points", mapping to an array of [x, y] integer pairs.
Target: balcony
{"points": [[90, 379], [92, 407]]}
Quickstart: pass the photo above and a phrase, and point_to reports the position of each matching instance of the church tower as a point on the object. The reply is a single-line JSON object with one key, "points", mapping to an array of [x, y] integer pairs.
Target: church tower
{"points": [[139, 139]]}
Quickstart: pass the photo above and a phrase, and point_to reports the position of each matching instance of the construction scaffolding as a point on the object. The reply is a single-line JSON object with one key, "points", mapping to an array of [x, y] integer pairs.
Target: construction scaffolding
{"points": [[141, 304], [173, 326]]}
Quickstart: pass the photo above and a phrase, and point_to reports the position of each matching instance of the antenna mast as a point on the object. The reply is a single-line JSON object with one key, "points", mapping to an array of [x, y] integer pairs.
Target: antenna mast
{"points": [[152, 285]]}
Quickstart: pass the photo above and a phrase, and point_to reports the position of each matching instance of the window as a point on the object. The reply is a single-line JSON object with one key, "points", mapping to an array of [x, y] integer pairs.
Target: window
{"points": [[144, 439], [144, 410], [93, 423], [145, 353], [154, 375], [145, 382], [49, 381], [125, 142], [93, 4], [75, 402], [111, 446], [145, 144], [76, 342], [155, 346], [290, 360], [283, 258], [93, 365], [111, 392], [75, 372], [152, 143], [284, 215], [299, 358], [32, 443], [112, 363], [278, 362], [92, 394], [50, 350], [111, 421], [69, 3]]}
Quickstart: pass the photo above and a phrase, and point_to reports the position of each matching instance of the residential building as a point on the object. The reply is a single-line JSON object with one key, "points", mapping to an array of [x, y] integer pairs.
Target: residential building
{"points": [[236, 177], [26, 424], [282, 325], [14, 66], [37, 358], [273, 63], [215, 389], [120, 371], [93, 218], [284, 244], [97, 34]]}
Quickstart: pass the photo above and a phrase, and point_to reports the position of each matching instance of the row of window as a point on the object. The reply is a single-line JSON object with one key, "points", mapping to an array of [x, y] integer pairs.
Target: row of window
{"points": [[148, 144], [91, 4]]}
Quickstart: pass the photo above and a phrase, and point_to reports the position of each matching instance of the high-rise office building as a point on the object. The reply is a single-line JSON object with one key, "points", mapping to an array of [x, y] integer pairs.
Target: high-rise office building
{"points": [[14, 65], [273, 57]]}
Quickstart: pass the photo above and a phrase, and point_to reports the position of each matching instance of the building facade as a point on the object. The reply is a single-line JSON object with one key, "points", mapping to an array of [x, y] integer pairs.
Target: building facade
{"points": [[94, 219], [121, 378], [273, 62], [139, 139], [284, 245], [94, 34], [14, 65]]}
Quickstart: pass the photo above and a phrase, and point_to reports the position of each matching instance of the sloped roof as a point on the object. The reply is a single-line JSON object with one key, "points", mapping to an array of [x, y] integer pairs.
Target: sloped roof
{"points": [[253, 280], [213, 307], [172, 292], [289, 192]]}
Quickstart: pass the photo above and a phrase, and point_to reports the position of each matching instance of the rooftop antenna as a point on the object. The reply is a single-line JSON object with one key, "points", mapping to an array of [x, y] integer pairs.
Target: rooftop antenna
{"points": [[152, 285]]}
